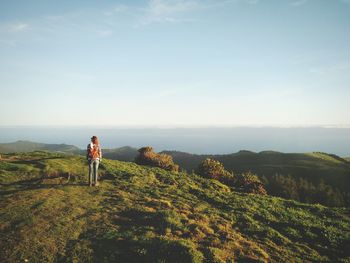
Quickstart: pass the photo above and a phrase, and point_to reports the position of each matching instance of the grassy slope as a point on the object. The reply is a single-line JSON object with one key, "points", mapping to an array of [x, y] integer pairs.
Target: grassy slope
{"points": [[143, 214], [314, 166]]}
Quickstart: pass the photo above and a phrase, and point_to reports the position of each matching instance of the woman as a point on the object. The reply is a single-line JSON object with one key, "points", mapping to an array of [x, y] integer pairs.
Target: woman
{"points": [[94, 157]]}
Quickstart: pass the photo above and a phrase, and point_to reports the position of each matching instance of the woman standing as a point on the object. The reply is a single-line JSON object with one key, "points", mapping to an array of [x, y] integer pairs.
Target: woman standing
{"points": [[94, 157]]}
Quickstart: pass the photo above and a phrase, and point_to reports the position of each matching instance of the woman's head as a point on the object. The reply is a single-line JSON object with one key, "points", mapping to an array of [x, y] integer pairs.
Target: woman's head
{"points": [[94, 139]]}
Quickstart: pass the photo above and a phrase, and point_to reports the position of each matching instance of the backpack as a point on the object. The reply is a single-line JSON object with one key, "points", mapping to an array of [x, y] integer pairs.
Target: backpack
{"points": [[94, 152]]}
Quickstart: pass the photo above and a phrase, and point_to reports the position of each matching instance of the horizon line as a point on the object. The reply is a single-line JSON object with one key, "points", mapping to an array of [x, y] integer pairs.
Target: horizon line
{"points": [[327, 126]]}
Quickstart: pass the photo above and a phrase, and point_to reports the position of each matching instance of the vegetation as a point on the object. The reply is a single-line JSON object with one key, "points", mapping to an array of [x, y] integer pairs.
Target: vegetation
{"points": [[250, 183], [245, 182], [147, 214], [312, 177], [125, 153], [305, 191], [304, 177], [213, 169], [148, 157]]}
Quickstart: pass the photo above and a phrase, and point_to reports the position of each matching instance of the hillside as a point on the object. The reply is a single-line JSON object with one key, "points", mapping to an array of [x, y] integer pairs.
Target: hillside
{"points": [[28, 146], [143, 214], [125, 153], [270, 162], [308, 177]]}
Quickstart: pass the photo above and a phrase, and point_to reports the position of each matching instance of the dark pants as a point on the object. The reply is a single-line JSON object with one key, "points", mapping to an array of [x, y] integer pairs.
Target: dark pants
{"points": [[93, 171]]}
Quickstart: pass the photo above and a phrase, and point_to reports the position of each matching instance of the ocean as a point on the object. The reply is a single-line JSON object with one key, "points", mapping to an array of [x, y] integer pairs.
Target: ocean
{"points": [[193, 140]]}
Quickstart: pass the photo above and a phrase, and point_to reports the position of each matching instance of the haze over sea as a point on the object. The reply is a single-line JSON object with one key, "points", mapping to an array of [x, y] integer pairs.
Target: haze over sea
{"points": [[213, 140]]}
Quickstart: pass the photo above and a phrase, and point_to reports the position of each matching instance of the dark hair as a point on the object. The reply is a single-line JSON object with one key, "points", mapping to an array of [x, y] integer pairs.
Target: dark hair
{"points": [[94, 139]]}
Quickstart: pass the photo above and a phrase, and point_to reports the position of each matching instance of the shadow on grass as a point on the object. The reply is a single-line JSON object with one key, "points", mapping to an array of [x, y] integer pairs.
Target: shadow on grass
{"points": [[131, 235], [94, 249], [36, 183], [35, 162]]}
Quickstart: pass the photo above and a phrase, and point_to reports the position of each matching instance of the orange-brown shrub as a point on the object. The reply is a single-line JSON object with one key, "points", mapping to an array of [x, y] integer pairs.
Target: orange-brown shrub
{"points": [[246, 182], [147, 156], [212, 169], [250, 183]]}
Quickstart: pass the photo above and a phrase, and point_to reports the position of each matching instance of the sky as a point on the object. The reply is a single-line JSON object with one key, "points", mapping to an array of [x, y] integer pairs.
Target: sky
{"points": [[175, 63]]}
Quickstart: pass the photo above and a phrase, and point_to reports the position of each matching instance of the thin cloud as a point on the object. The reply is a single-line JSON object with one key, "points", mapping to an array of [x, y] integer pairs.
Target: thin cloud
{"points": [[178, 11], [168, 11], [298, 2], [104, 32], [117, 10], [303, 2], [10, 32], [14, 27], [252, 2], [169, 7], [18, 27]]}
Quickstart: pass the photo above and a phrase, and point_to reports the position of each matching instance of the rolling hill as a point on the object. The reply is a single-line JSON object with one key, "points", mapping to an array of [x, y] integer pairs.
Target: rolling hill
{"points": [[145, 214], [289, 175], [315, 164], [125, 153], [28, 146]]}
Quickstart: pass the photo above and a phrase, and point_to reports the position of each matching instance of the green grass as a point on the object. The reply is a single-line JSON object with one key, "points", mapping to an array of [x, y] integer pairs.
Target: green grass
{"points": [[269, 162], [327, 157], [144, 214], [313, 167]]}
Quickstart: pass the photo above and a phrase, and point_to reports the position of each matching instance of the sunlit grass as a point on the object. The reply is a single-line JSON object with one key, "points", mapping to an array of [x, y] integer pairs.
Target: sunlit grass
{"points": [[144, 214]]}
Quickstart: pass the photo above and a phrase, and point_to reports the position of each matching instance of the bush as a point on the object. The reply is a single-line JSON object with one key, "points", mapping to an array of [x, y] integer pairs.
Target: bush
{"points": [[250, 183], [148, 157], [213, 169], [246, 182]]}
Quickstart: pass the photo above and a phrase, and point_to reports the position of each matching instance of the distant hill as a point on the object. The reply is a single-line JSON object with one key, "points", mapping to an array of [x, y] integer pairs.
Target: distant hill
{"points": [[301, 172], [315, 165], [145, 214], [125, 153], [28, 146], [265, 161]]}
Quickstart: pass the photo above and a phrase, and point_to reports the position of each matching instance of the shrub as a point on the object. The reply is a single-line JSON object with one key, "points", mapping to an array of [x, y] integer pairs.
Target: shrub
{"points": [[246, 182], [213, 169], [250, 183], [148, 157]]}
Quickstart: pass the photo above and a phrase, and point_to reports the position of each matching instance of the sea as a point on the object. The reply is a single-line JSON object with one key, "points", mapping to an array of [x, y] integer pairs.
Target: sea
{"points": [[198, 140]]}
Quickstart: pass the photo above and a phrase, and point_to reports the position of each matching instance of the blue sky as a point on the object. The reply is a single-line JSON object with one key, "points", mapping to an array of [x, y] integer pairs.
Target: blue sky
{"points": [[175, 63]]}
